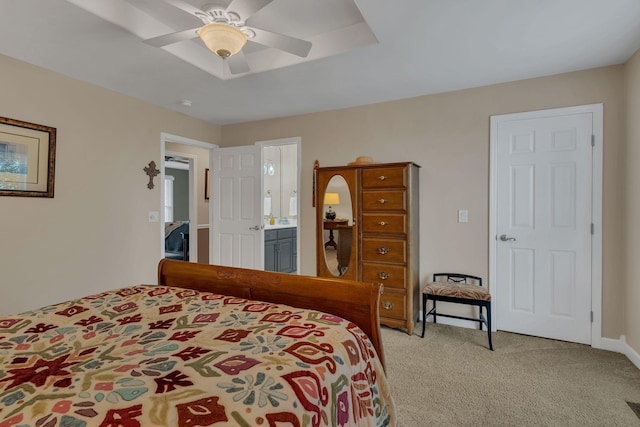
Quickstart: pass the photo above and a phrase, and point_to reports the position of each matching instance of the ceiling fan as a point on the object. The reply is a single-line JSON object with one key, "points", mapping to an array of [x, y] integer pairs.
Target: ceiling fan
{"points": [[225, 32]]}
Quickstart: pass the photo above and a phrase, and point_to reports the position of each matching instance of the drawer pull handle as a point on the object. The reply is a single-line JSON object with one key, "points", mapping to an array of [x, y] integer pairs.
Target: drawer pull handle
{"points": [[382, 201], [383, 275], [382, 223], [387, 305], [382, 177], [383, 250]]}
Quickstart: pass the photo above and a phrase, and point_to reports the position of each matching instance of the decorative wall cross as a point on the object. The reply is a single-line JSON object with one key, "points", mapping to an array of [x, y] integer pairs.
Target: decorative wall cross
{"points": [[151, 172]]}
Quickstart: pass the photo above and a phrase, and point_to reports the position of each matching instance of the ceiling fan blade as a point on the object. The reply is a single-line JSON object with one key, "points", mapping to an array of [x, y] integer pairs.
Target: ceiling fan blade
{"points": [[172, 38], [292, 45], [238, 63], [183, 5], [246, 8]]}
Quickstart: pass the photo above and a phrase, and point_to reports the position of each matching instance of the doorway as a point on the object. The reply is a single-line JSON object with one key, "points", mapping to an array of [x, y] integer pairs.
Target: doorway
{"points": [[196, 154], [546, 221], [180, 208], [281, 204]]}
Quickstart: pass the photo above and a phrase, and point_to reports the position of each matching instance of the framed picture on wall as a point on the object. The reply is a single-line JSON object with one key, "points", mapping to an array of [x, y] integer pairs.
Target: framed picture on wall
{"points": [[27, 158], [206, 184]]}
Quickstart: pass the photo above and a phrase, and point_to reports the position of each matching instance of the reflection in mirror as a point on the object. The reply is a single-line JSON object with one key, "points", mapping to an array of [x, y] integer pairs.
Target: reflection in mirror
{"points": [[338, 225]]}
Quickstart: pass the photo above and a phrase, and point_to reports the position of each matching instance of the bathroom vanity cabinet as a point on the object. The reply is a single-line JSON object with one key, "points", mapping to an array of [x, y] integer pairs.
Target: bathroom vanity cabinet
{"points": [[280, 253]]}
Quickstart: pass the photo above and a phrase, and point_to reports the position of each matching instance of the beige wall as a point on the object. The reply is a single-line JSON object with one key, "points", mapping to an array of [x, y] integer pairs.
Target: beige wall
{"points": [[94, 234], [97, 222], [203, 245], [448, 135], [632, 203]]}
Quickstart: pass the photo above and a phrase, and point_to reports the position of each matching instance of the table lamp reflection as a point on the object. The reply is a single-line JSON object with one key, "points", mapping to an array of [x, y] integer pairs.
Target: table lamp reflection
{"points": [[331, 199]]}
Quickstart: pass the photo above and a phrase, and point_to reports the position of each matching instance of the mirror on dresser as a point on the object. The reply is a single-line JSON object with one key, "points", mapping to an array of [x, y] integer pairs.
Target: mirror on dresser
{"points": [[337, 227]]}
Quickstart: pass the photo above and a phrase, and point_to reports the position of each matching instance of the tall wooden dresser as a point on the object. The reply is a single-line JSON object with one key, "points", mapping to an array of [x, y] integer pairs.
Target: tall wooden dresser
{"points": [[385, 234]]}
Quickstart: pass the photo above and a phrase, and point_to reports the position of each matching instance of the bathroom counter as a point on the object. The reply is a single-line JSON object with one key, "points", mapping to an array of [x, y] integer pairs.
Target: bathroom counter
{"points": [[293, 223]]}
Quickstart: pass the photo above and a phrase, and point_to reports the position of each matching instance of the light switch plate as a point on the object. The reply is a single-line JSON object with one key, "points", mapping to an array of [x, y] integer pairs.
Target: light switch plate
{"points": [[154, 216], [463, 215]]}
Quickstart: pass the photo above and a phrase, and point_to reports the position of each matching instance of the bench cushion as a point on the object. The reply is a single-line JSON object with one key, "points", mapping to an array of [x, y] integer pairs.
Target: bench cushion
{"points": [[457, 290]]}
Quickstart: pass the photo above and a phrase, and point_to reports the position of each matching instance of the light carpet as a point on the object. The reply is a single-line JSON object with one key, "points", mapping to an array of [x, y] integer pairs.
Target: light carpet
{"points": [[451, 378]]}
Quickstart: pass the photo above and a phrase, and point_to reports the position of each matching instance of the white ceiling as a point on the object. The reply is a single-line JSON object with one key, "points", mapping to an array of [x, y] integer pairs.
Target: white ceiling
{"points": [[424, 47]]}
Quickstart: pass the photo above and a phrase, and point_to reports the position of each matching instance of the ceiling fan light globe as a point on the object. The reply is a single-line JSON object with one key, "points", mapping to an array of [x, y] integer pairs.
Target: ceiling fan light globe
{"points": [[222, 39]]}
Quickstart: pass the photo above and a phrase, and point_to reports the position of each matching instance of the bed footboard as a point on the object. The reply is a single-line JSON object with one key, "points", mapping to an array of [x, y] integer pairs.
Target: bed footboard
{"points": [[353, 301]]}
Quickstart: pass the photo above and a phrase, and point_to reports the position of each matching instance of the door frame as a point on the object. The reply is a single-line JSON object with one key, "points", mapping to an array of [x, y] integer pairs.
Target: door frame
{"points": [[596, 206], [193, 187], [297, 141]]}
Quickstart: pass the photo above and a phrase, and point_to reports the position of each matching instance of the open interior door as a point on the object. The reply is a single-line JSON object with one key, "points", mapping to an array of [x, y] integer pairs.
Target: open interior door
{"points": [[236, 195]]}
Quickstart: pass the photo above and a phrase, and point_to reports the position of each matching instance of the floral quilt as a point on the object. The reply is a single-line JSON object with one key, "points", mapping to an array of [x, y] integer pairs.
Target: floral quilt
{"points": [[162, 356]]}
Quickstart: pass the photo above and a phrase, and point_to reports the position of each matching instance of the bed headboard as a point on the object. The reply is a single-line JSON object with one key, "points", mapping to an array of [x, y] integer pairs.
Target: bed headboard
{"points": [[357, 302]]}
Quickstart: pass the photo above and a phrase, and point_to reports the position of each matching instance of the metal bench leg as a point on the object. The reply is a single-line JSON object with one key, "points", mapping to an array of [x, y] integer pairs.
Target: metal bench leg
{"points": [[425, 298], [434, 312], [489, 325]]}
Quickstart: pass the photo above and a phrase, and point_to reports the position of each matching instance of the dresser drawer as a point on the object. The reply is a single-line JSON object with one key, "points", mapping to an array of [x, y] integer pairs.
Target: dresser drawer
{"points": [[384, 250], [393, 306], [391, 177], [389, 200], [384, 223], [391, 276]]}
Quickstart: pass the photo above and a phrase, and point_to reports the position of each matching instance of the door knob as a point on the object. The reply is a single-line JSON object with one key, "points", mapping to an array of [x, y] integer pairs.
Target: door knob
{"points": [[255, 227], [506, 238]]}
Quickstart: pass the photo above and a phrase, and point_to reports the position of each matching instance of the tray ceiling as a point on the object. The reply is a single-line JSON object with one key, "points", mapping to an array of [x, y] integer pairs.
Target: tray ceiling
{"points": [[410, 48]]}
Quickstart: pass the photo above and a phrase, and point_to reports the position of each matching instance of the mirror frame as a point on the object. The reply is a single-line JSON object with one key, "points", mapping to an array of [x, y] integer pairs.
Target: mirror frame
{"points": [[323, 177]]}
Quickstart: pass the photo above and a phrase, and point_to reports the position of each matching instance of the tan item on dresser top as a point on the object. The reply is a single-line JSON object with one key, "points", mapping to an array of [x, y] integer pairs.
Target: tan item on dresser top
{"points": [[384, 235]]}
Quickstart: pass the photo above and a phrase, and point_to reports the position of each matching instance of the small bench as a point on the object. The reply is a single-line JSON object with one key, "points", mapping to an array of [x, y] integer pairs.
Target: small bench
{"points": [[461, 289]]}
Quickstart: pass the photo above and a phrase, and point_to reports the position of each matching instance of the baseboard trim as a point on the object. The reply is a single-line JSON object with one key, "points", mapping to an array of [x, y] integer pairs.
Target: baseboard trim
{"points": [[609, 344], [450, 321], [631, 354], [620, 346]]}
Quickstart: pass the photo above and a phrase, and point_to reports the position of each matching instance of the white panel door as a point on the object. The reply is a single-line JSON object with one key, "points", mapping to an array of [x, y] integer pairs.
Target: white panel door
{"points": [[236, 196], [543, 218]]}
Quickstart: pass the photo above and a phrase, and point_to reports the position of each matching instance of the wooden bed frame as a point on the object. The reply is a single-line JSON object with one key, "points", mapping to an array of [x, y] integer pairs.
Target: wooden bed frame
{"points": [[353, 301]]}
